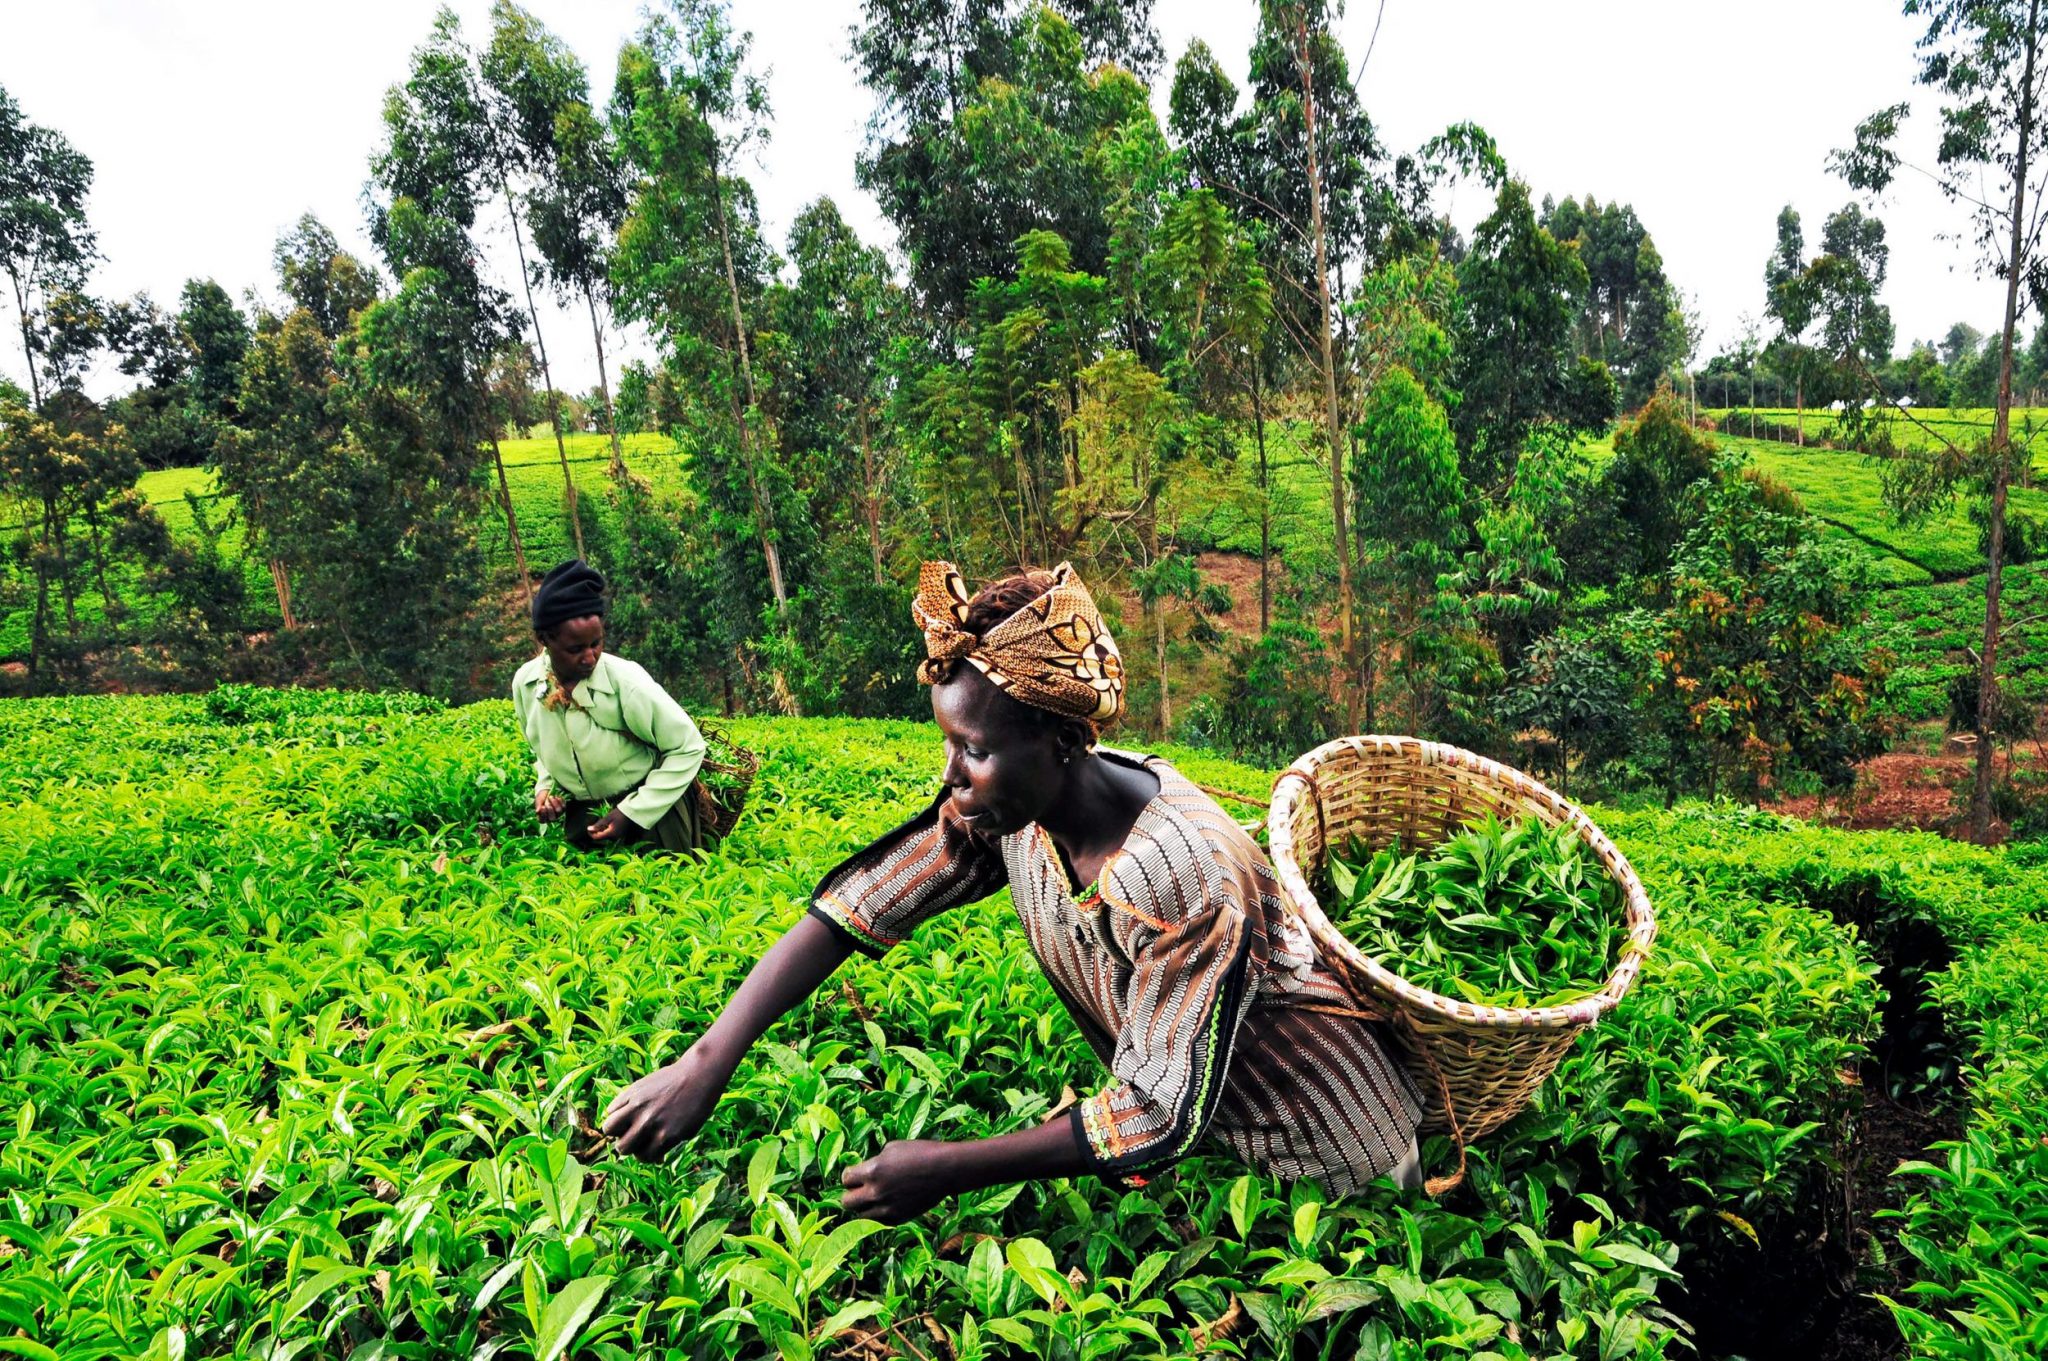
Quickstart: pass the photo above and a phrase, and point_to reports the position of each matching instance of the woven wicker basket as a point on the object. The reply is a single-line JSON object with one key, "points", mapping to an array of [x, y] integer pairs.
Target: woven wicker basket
{"points": [[1480, 1064], [719, 810]]}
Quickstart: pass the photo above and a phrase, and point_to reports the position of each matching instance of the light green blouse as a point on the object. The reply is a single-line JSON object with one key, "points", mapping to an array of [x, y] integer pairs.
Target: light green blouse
{"points": [[627, 730]]}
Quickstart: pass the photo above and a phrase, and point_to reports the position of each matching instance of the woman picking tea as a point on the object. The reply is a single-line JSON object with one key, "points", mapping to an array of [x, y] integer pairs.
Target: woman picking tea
{"points": [[615, 757], [1155, 918]]}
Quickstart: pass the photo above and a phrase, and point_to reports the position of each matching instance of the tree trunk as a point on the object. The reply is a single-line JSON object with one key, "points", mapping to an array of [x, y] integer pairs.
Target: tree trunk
{"points": [[1369, 668], [764, 517], [871, 479], [1799, 390], [1265, 503], [1026, 514], [2001, 454], [99, 563], [280, 578], [569, 500], [39, 633], [511, 520], [64, 576], [1070, 435], [28, 348], [604, 388], [1340, 519], [1159, 646]]}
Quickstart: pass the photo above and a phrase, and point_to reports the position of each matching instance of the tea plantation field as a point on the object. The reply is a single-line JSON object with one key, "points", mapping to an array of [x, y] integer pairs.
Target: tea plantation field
{"points": [[304, 1029]]}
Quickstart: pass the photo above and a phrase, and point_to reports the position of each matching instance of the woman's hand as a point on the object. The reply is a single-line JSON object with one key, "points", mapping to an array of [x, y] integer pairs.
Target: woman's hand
{"points": [[667, 1106], [549, 805], [613, 826], [905, 1179]]}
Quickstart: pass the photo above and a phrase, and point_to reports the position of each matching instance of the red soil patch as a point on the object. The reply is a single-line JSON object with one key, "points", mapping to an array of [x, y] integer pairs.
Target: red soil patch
{"points": [[1908, 790], [1239, 574]]}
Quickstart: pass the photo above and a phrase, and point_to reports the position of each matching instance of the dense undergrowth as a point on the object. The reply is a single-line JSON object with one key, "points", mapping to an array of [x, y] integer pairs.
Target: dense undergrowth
{"points": [[305, 1030]]}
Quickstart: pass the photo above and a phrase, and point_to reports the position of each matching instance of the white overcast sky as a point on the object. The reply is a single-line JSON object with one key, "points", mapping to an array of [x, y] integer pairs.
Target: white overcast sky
{"points": [[214, 123]]}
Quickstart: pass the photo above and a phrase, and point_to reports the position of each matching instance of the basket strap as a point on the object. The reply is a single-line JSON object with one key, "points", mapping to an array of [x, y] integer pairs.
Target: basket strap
{"points": [[1252, 828], [1436, 1186], [1213, 792], [1356, 1013]]}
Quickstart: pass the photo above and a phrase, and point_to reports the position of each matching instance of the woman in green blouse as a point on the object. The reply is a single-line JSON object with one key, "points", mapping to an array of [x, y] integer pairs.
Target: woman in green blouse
{"points": [[603, 731]]}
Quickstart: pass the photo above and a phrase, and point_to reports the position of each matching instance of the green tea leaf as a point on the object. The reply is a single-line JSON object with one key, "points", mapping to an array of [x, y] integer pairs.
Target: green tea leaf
{"points": [[761, 1169], [566, 1314]]}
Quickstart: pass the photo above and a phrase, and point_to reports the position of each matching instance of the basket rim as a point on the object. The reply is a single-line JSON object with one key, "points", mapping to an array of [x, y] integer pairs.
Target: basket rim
{"points": [[1299, 781]]}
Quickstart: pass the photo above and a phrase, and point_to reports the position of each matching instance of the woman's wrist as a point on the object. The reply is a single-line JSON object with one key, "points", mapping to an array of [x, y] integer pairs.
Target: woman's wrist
{"points": [[963, 1166], [720, 1049]]}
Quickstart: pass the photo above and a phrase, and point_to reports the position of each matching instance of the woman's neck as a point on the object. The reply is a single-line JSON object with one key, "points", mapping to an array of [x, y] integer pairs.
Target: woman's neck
{"points": [[1094, 814]]}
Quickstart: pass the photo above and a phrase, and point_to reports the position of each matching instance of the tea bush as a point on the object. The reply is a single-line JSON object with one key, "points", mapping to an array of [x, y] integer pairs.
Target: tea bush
{"points": [[1977, 1226], [306, 1028]]}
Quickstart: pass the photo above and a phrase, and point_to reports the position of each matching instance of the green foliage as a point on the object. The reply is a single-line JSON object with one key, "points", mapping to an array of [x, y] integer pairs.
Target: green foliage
{"points": [[1931, 627], [46, 244], [990, 120], [1276, 697], [656, 559], [1974, 1233], [1629, 315], [1410, 502], [1515, 916], [1757, 666], [844, 650], [350, 459], [235, 705], [321, 279], [377, 1083], [1644, 492], [691, 261], [1520, 288], [309, 1022], [1575, 696]]}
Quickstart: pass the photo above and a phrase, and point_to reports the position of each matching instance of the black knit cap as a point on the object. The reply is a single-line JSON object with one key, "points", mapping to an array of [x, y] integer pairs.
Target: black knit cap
{"points": [[573, 590]]}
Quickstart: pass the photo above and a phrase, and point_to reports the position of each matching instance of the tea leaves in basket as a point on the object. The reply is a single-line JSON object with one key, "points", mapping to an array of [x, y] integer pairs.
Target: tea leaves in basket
{"points": [[1511, 915]]}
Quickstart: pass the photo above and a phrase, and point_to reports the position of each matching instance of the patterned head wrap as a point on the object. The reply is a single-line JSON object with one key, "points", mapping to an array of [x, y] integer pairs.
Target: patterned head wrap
{"points": [[1053, 653]]}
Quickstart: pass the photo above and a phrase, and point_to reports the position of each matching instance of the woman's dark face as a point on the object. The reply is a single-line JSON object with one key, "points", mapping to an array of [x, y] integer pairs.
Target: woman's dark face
{"points": [[1002, 765], [574, 647]]}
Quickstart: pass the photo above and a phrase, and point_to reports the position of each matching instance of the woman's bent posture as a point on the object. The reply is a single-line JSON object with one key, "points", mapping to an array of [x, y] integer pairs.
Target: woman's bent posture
{"points": [[614, 757], [1156, 919]]}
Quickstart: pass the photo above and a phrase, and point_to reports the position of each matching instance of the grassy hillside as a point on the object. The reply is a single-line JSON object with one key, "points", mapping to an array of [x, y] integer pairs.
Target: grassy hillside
{"points": [[532, 471], [1929, 427], [309, 1027], [1930, 626], [1933, 611], [1221, 511]]}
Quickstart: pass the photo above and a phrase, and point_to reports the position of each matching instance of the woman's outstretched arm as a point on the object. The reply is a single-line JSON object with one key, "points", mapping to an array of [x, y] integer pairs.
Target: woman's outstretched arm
{"points": [[670, 1104], [909, 1176]]}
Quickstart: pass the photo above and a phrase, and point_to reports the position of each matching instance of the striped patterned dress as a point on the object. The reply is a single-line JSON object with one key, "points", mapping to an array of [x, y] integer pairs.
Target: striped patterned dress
{"points": [[1206, 1002]]}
